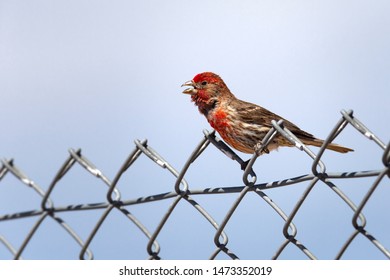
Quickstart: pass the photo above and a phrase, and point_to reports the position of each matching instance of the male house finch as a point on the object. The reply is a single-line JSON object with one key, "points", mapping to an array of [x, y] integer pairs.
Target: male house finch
{"points": [[242, 124]]}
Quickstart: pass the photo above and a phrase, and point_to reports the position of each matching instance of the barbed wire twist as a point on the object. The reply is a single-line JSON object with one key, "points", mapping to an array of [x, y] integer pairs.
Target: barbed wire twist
{"points": [[182, 192]]}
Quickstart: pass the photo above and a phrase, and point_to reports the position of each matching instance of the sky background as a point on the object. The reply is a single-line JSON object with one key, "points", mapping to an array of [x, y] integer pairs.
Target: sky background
{"points": [[97, 75]]}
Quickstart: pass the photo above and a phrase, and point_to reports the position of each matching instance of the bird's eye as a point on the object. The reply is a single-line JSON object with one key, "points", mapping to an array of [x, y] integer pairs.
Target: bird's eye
{"points": [[204, 83]]}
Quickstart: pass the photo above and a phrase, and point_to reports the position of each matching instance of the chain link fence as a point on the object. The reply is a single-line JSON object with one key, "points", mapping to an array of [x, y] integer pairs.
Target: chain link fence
{"points": [[181, 192]]}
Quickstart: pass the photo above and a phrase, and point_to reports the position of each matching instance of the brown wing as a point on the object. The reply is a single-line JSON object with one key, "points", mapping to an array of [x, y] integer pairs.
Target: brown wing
{"points": [[254, 114]]}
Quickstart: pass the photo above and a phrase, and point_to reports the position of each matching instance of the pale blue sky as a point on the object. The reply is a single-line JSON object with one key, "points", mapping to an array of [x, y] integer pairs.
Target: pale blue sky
{"points": [[99, 74]]}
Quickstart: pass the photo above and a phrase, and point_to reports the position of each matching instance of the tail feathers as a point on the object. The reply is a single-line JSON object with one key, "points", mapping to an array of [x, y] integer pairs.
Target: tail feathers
{"points": [[331, 146]]}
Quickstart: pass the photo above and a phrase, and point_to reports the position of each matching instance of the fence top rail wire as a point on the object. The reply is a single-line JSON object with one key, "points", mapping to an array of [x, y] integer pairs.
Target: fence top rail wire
{"points": [[181, 191]]}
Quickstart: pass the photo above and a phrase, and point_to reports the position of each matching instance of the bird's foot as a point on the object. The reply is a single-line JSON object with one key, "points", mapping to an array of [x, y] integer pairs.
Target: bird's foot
{"points": [[259, 149]]}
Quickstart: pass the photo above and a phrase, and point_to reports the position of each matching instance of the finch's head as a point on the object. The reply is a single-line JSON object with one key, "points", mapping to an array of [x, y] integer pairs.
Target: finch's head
{"points": [[206, 88]]}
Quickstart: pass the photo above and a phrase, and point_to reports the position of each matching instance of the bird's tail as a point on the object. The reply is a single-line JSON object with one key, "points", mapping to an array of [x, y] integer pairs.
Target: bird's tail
{"points": [[331, 146]]}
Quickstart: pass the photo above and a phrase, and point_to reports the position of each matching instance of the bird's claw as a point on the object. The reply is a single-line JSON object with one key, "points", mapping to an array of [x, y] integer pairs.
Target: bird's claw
{"points": [[260, 149]]}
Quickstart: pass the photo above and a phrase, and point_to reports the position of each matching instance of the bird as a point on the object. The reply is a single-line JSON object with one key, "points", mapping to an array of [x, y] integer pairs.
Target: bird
{"points": [[241, 124]]}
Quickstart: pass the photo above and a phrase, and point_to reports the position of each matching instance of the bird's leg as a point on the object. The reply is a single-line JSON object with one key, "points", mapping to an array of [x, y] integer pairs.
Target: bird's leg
{"points": [[259, 149]]}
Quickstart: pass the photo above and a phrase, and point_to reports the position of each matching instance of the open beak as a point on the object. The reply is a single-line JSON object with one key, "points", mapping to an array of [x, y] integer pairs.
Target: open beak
{"points": [[191, 90]]}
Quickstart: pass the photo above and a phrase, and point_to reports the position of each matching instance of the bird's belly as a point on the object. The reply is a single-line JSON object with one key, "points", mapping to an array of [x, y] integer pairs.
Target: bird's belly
{"points": [[238, 135]]}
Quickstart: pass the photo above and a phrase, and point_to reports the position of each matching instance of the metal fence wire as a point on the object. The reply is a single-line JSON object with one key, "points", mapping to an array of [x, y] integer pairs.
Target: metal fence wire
{"points": [[182, 192]]}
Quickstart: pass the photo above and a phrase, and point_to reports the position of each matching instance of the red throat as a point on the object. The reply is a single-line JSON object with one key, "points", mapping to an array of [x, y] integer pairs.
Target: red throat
{"points": [[200, 97]]}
